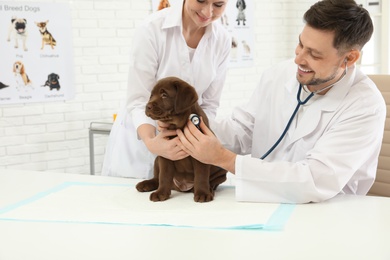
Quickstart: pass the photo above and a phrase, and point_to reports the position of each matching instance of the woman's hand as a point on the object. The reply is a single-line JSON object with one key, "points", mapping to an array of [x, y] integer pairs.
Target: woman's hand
{"points": [[162, 144]]}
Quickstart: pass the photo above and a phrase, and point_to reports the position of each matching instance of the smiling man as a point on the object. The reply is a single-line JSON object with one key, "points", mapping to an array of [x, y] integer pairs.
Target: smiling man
{"points": [[314, 125]]}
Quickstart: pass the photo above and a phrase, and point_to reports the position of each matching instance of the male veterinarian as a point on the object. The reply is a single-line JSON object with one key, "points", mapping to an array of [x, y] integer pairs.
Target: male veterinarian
{"points": [[332, 143]]}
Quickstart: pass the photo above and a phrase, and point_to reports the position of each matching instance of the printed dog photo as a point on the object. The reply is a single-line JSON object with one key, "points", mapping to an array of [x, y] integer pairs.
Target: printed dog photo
{"points": [[246, 47], [2, 85], [172, 101], [163, 4], [241, 6], [21, 77], [18, 32], [52, 81], [47, 37], [224, 20]]}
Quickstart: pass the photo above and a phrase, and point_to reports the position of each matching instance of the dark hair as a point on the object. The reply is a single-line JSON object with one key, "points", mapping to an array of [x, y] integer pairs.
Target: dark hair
{"points": [[351, 23]]}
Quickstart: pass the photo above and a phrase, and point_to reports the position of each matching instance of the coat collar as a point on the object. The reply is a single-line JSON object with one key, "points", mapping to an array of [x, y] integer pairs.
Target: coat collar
{"points": [[326, 103]]}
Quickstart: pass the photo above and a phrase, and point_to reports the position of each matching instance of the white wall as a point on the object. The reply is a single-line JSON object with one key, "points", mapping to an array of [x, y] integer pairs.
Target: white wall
{"points": [[54, 136]]}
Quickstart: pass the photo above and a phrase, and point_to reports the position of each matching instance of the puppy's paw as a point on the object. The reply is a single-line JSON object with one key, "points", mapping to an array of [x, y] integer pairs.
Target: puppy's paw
{"points": [[147, 185], [203, 197], [159, 196]]}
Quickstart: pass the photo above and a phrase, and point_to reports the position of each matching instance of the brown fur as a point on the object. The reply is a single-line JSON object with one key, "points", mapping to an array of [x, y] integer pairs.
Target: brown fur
{"points": [[19, 69], [172, 101], [47, 38], [163, 4]]}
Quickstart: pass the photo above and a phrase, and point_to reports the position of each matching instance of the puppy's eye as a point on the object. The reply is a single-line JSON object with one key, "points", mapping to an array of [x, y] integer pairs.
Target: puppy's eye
{"points": [[164, 95]]}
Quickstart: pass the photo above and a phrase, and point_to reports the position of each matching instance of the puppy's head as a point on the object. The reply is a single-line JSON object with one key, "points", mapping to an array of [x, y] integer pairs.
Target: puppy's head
{"points": [[171, 101], [42, 25], [18, 67], [20, 25], [53, 78]]}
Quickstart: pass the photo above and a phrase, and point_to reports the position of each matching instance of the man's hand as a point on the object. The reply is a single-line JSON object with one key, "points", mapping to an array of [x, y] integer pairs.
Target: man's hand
{"points": [[205, 147]]}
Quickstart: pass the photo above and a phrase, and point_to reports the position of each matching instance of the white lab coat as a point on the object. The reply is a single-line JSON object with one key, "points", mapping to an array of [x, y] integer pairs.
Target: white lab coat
{"points": [[333, 147], [159, 50]]}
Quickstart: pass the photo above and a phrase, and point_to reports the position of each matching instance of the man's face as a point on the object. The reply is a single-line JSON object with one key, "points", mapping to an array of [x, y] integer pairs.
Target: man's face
{"points": [[319, 63]]}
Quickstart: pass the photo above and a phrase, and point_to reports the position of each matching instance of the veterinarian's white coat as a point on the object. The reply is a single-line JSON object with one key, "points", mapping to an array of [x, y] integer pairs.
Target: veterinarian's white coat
{"points": [[333, 148], [159, 50]]}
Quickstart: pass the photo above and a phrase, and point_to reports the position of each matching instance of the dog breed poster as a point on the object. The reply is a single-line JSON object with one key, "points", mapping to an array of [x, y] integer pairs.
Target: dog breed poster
{"points": [[36, 50], [238, 19]]}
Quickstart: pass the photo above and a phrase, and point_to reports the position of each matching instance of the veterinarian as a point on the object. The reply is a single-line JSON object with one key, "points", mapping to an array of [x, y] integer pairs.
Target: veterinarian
{"points": [[185, 41], [332, 143]]}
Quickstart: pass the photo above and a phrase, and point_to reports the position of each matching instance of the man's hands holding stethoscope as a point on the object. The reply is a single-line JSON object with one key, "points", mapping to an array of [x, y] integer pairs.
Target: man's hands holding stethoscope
{"points": [[199, 143], [195, 140]]}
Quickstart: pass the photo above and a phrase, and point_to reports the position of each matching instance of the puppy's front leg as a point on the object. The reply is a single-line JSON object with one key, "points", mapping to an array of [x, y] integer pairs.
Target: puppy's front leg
{"points": [[146, 185], [202, 191], [10, 30], [165, 185]]}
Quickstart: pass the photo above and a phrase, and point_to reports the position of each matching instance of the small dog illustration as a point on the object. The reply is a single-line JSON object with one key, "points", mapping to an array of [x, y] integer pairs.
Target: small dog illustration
{"points": [[21, 77], [18, 31], [47, 38], [163, 4], [52, 81], [241, 6], [233, 50], [2, 85], [247, 48], [224, 20]]}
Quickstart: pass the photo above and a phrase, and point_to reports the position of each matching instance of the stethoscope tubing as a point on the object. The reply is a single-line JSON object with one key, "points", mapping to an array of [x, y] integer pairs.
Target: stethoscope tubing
{"points": [[300, 102]]}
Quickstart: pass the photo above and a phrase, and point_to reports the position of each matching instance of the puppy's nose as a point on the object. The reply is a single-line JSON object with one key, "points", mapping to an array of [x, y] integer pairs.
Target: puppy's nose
{"points": [[149, 106]]}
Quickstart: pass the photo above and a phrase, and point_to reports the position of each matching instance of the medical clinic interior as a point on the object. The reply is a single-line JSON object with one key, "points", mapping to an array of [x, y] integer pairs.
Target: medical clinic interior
{"points": [[71, 70]]}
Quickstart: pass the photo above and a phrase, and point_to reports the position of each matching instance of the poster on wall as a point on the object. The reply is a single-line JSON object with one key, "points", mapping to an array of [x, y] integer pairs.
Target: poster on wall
{"points": [[238, 19], [36, 63]]}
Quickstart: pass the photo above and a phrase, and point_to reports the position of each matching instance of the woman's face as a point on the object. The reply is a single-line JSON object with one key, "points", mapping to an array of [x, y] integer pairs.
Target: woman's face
{"points": [[204, 12]]}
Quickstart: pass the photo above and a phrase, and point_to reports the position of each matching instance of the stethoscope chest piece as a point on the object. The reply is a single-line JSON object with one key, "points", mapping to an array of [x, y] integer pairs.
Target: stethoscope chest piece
{"points": [[195, 119]]}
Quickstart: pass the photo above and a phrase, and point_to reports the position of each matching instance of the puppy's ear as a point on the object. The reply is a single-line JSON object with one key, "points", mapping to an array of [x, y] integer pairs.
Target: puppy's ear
{"points": [[186, 96], [21, 68]]}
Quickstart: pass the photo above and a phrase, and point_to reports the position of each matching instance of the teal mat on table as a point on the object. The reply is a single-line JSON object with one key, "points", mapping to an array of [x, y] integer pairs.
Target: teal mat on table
{"points": [[121, 204]]}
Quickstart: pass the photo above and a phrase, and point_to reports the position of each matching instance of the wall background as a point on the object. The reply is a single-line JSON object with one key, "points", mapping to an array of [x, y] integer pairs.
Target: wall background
{"points": [[54, 136]]}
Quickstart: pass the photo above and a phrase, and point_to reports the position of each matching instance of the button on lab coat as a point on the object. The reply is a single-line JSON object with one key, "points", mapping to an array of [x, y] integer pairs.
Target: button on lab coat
{"points": [[159, 50], [333, 147]]}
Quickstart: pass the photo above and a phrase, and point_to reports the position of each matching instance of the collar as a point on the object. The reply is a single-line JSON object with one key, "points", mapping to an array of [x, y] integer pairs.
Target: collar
{"points": [[331, 100]]}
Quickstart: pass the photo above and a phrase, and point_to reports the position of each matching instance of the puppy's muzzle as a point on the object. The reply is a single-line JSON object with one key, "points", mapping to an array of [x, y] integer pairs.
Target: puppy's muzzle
{"points": [[153, 110], [20, 27]]}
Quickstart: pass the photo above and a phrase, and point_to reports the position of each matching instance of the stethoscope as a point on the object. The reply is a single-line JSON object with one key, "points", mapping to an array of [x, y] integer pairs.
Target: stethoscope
{"points": [[300, 102]]}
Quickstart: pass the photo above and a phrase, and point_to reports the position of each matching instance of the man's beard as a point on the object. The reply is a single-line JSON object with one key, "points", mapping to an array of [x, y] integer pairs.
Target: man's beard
{"points": [[317, 81]]}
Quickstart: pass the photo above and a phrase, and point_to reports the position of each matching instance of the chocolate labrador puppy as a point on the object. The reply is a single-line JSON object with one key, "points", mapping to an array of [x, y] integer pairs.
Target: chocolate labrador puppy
{"points": [[172, 101]]}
